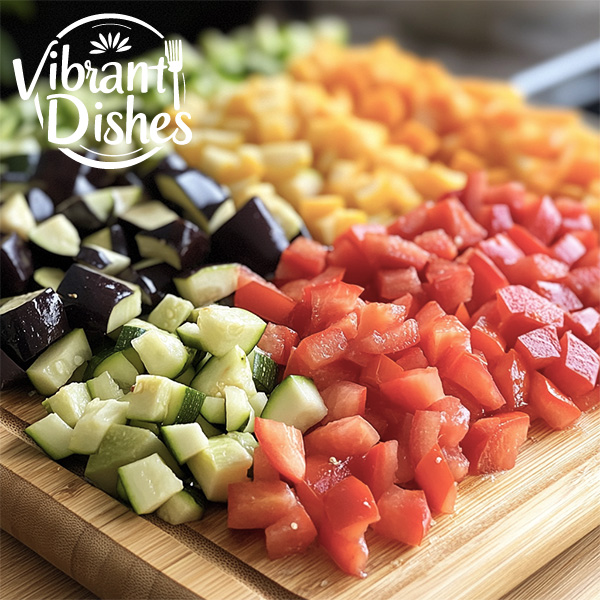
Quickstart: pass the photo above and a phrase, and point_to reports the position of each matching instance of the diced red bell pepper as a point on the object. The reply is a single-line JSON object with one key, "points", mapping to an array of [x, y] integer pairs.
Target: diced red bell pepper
{"points": [[569, 249], [545, 221], [412, 358], [526, 241], [283, 446], [393, 252], [401, 336], [585, 282], [588, 401], [342, 438], [303, 258], [380, 368], [262, 469], [536, 267], [549, 403], [443, 334], [264, 300], [258, 504], [471, 373], [474, 191], [437, 242], [434, 477], [405, 515], [293, 533], [511, 375], [424, 433], [462, 314], [492, 443], [393, 283], [487, 338], [455, 420], [344, 399], [414, 390], [377, 468], [277, 341], [449, 283], [458, 463], [590, 259], [411, 224], [558, 293], [539, 347], [576, 370]]}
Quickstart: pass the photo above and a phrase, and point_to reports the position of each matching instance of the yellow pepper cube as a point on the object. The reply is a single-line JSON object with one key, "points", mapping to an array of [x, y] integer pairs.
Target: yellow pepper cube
{"points": [[328, 228], [314, 209]]}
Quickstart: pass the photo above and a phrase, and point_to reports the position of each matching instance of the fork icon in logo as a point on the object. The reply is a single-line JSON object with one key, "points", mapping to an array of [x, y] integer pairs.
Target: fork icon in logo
{"points": [[174, 54]]}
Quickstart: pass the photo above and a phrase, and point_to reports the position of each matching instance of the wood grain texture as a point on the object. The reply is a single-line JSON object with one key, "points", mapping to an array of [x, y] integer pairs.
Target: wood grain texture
{"points": [[515, 523]]}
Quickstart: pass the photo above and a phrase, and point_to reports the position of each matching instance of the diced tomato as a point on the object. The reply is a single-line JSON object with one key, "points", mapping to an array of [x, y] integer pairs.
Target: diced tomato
{"points": [[522, 310], [411, 224], [458, 463], [414, 390], [262, 468], [393, 283], [487, 277], [574, 215], [350, 507], [380, 368], [474, 191], [428, 314], [558, 293], [568, 249], [451, 216], [424, 433], [277, 341], [401, 433], [303, 258], [576, 370], [495, 218], [377, 468], [536, 267], [492, 443], [412, 358], [462, 314], [585, 324], [412, 304], [393, 252], [379, 316], [344, 399], [455, 420], [331, 302], [339, 370], [264, 300], [342, 438], [526, 241], [590, 259], [438, 242], [321, 348], [283, 446], [511, 375], [347, 255], [588, 401], [546, 220], [487, 338], [511, 193], [350, 554], [258, 504], [442, 335], [401, 336], [539, 347], [584, 282], [405, 515], [449, 283], [434, 477], [501, 250], [293, 533], [549, 403], [589, 238], [470, 372]]}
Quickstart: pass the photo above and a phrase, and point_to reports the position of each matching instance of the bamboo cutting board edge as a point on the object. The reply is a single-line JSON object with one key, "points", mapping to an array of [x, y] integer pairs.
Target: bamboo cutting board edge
{"points": [[381, 580]]}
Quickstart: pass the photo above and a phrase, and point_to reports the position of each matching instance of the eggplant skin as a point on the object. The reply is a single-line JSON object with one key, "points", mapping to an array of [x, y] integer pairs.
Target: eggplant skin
{"points": [[29, 328], [89, 297], [16, 265], [40, 204], [10, 372], [155, 281]]}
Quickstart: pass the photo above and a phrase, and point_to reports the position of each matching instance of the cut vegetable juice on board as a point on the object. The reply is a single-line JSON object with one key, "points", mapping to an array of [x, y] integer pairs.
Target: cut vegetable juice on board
{"points": [[196, 345]]}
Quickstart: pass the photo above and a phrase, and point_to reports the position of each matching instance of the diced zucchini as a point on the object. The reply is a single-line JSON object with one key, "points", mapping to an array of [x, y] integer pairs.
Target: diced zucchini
{"points": [[221, 371], [185, 404], [149, 483], [97, 418], [130, 331], [264, 371], [69, 402], [153, 427], [53, 435], [224, 461], [208, 284], [246, 439], [295, 401], [119, 368], [149, 400], [237, 408], [104, 387], [134, 358], [213, 410], [209, 429], [223, 327], [184, 440], [183, 507], [170, 313], [54, 367], [122, 445], [162, 353], [187, 376], [189, 334], [258, 402]]}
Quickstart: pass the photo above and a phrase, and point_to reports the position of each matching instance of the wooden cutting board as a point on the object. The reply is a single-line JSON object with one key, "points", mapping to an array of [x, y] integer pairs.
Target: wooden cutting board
{"points": [[505, 528]]}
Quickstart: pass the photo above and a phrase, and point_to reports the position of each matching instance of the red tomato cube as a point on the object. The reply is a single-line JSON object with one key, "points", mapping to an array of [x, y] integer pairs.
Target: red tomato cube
{"points": [[526, 241], [569, 249], [277, 341], [558, 293], [495, 218], [501, 250], [434, 477], [451, 216], [487, 338], [293, 533], [264, 300], [450, 283], [545, 221], [455, 420], [303, 258], [412, 358], [350, 554], [424, 433], [380, 368], [414, 390], [393, 252], [585, 324], [487, 277], [443, 334], [393, 283], [585, 282], [377, 468], [262, 468], [539, 347], [438, 242], [344, 399], [401, 336], [550, 404], [512, 377], [458, 463]]}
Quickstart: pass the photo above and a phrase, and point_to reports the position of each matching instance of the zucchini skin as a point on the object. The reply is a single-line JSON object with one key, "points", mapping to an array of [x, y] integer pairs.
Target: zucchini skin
{"points": [[28, 329], [90, 297], [16, 265]]}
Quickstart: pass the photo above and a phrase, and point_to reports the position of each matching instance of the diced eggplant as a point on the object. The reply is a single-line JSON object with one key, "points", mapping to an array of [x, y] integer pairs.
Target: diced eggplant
{"points": [[170, 165], [112, 238], [98, 302], [40, 204], [30, 323], [60, 176], [198, 195], [154, 277], [146, 216], [251, 237], [16, 265], [10, 372], [16, 216], [55, 242], [180, 243], [48, 277], [125, 197], [90, 211], [102, 259]]}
